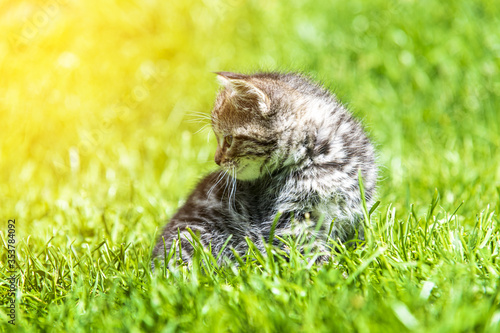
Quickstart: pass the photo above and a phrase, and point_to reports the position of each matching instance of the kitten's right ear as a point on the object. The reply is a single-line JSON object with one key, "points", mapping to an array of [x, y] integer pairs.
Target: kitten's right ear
{"points": [[244, 93]]}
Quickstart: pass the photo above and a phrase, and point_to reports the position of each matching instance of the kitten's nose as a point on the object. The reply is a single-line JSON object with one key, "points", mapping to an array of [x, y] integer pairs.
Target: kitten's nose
{"points": [[218, 157]]}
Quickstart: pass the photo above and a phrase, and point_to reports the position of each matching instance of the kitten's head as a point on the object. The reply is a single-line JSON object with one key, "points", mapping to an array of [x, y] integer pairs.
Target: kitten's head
{"points": [[244, 125]]}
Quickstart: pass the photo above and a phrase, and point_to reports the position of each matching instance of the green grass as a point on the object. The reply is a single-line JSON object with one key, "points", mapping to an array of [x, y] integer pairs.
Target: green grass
{"points": [[99, 148]]}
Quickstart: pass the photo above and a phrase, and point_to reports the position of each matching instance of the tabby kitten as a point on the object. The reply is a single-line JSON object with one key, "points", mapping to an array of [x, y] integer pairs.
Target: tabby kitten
{"points": [[284, 144]]}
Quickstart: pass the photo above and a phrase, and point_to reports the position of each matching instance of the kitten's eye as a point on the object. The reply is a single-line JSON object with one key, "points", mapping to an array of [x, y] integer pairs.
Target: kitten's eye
{"points": [[228, 140]]}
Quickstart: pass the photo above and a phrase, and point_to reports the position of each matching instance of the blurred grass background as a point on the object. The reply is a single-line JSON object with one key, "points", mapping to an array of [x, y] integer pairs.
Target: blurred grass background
{"points": [[98, 138]]}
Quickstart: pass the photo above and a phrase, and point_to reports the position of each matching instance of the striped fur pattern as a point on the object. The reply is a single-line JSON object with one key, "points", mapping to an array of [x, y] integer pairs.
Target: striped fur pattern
{"points": [[285, 144]]}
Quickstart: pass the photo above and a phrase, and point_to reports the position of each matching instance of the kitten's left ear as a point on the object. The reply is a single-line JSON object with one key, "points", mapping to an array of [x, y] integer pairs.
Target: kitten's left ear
{"points": [[244, 92]]}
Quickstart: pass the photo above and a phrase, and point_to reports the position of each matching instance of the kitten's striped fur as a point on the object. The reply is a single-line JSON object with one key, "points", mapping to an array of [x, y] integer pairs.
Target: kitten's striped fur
{"points": [[285, 145]]}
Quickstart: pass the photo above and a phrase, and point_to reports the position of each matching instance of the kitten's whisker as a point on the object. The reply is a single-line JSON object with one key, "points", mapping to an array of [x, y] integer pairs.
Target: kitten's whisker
{"points": [[197, 120], [195, 117], [227, 183], [221, 176], [235, 184], [200, 114], [204, 127], [232, 196]]}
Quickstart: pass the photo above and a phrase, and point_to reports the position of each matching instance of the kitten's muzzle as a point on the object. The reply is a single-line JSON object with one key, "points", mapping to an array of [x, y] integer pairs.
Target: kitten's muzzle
{"points": [[218, 156]]}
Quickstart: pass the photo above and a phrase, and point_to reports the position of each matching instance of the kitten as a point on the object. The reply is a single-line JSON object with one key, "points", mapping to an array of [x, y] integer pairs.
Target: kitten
{"points": [[284, 144]]}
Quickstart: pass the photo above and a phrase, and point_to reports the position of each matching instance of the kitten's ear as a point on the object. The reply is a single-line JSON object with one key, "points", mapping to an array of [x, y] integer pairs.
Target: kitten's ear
{"points": [[244, 92]]}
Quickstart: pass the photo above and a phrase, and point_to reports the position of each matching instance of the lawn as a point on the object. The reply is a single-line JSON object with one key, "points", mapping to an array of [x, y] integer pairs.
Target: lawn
{"points": [[101, 142]]}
